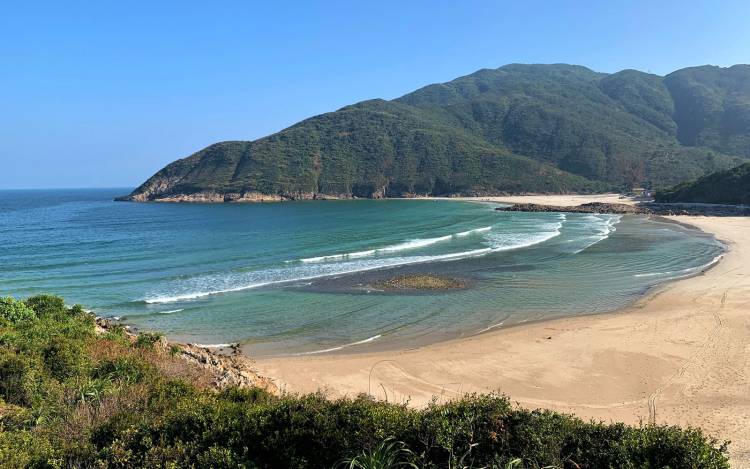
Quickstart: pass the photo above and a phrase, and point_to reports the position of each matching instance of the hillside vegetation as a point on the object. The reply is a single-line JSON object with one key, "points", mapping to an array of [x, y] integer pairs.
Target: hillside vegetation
{"points": [[518, 128], [725, 187], [74, 397]]}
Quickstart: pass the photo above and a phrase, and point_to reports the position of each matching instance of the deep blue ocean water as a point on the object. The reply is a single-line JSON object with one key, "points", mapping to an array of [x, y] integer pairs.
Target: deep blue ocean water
{"points": [[301, 277]]}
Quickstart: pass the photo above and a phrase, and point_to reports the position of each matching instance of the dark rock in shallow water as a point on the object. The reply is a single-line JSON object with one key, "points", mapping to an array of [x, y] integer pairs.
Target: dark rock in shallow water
{"points": [[713, 210], [594, 207], [643, 208], [420, 282]]}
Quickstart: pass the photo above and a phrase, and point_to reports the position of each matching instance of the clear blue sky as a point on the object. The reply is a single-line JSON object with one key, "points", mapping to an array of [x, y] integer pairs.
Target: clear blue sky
{"points": [[103, 94]]}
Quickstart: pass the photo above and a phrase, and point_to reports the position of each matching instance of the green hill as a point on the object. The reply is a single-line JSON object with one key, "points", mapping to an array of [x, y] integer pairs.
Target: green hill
{"points": [[518, 128], [725, 187]]}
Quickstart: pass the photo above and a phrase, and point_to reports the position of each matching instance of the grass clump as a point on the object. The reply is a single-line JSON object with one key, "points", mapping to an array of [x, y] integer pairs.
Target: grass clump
{"points": [[147, 339], [72, 398]]}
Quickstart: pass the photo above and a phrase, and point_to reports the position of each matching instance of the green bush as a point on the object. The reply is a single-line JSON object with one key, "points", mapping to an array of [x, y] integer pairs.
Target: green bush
{"points": [[47, 305], [17, 375], [13, 311], [65, 358]]}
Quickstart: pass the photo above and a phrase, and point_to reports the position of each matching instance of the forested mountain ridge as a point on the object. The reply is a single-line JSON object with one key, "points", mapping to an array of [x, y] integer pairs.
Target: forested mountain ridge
{"points": [[725, 187], [518, 128]]}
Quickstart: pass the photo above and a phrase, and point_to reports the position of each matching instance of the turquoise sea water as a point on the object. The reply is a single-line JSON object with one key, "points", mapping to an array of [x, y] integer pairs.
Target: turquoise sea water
{"points": [[299, 278]]}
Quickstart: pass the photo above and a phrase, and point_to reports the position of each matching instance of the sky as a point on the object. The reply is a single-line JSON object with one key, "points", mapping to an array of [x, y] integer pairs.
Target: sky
{"points": [[104, 94]]}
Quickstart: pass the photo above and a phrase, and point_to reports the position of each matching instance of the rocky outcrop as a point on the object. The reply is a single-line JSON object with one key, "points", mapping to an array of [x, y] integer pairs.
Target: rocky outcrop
{"points": [[643, 208], [230, 370], [594, 207], [420, 282], [210, 197], [226, 369]]}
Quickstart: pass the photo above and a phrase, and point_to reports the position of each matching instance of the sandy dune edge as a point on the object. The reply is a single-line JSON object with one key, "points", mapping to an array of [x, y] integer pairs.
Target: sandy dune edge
{"points": [[678, 356]]}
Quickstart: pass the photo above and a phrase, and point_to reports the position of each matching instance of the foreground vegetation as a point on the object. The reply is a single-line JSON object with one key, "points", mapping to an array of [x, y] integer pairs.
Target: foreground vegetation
{"points": [[73, 396]]}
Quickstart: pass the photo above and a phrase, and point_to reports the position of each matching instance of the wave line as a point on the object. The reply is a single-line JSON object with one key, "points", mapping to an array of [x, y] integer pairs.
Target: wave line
{"points": [[333, 349]]}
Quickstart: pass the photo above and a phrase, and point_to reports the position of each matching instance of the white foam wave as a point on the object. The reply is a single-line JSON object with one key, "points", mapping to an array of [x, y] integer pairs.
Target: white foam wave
{"points": [[228, 283], [213, 345], [675, 274], [201, 294], [603, 227], [412, 244], [324, 270], [509, 241], [338, 257], [474, 231], [405, 246], [333, 349], [171, 311], [415, 244]]}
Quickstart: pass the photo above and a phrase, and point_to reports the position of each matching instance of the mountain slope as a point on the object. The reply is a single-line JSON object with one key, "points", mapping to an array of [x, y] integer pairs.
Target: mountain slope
{"points": [[725, 187], [540, 128], [712, 107]]}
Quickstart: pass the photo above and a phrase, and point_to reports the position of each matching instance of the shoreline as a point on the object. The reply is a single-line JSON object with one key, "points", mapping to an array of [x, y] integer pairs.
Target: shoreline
{"points": [[402, 345], [677, 355]]}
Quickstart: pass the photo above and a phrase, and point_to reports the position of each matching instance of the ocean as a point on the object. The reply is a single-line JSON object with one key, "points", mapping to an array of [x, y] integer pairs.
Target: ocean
{"points": [[299, 278]]}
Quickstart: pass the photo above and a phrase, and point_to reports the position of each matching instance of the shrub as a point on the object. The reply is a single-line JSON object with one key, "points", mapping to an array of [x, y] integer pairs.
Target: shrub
{"points": [[64, 357], [13, 311], [47, 305], [15, 376]]}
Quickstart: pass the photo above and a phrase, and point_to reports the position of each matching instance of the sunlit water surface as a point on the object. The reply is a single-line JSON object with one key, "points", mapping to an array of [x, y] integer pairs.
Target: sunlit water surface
{"points": [[301, 278]]}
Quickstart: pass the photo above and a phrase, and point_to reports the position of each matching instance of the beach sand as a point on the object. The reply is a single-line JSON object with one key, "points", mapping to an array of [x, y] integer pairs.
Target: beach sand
{"points": [[557, 200], [678, 356]]}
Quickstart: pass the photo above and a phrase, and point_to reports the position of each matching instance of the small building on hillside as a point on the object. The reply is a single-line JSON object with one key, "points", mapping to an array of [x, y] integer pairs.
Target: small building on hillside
{"points": [[640, 192]]}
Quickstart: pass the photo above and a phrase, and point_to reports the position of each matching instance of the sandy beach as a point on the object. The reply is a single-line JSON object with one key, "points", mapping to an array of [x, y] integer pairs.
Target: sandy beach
{"points": [[677, 356], [561, 200]]}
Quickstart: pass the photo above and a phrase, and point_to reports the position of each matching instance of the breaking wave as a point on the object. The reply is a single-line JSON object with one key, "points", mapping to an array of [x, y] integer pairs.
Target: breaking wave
{"points": [[314, 268], [508, 241], [603, 227], [474, 231], [405, 246]]}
